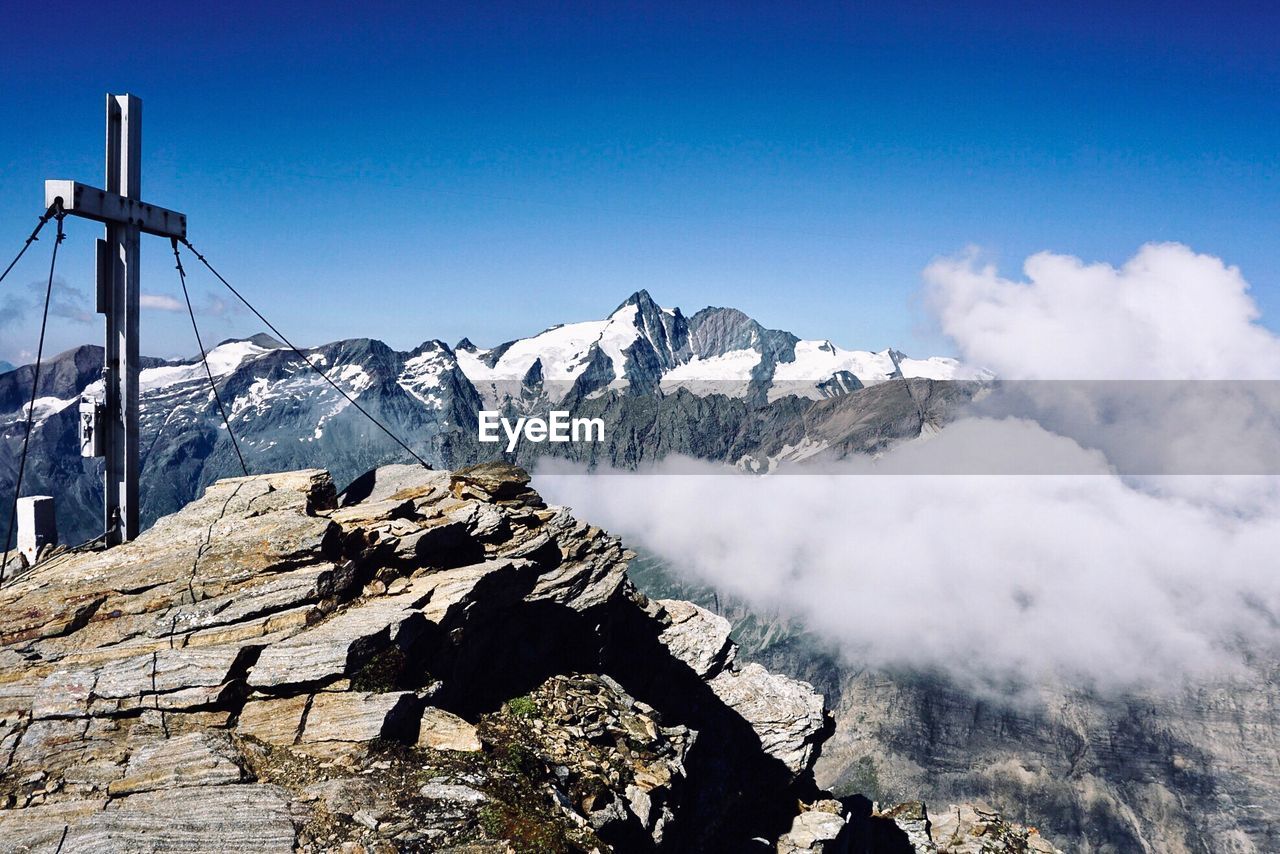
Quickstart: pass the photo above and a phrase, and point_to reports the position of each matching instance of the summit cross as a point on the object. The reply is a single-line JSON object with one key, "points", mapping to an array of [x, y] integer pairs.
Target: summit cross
{"points": [[110, 429]]}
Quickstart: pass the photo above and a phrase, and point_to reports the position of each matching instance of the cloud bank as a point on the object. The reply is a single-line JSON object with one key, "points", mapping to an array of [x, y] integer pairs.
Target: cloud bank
{"points": [[994, 578], [1168, 313], [1009, 579]]}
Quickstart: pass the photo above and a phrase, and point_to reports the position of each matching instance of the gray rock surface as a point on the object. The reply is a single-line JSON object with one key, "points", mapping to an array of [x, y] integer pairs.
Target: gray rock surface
{"points": [[828, 826], [254, 819], [441, 730], [274, 669], [787, 715], [697, 637], [431, 661], [824, 827]]}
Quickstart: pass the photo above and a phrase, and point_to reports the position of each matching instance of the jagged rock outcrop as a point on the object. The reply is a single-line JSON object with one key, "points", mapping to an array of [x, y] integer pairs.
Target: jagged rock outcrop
{"points": [[977, 828], [823, 827], [424, 661], [857, 827]]}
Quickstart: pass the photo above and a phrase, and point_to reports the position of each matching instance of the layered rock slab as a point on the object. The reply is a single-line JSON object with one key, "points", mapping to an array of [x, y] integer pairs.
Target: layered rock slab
{"points": [[274, 636]]}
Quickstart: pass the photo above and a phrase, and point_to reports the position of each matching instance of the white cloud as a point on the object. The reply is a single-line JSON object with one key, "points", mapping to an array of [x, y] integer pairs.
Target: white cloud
{"points": [[160, 302], [992, 578], [1167, 313], [1077, 574]]}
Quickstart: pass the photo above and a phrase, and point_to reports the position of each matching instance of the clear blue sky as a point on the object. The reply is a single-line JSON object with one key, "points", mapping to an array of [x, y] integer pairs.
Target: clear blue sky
{"points": [[417, 170]]}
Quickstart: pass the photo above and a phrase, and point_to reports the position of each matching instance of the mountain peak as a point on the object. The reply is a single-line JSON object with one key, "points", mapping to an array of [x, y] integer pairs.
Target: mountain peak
{"points": [[260, 339], [641, 300]]}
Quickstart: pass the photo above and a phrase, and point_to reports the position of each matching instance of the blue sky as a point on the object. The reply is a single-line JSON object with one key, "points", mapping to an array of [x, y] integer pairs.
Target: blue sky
{"points": [[410, 171]]}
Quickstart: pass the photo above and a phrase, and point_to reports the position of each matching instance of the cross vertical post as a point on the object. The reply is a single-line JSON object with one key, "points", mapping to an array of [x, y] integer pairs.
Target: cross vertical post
{"points": [[112, 432], [121, 292]]}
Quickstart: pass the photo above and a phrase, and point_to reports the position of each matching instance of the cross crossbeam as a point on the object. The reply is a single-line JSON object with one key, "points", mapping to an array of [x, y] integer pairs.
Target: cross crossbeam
{"points": [[101, 206]]}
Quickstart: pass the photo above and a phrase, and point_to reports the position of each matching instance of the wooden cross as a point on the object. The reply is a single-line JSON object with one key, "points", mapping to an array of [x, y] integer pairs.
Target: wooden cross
{"points": [[114, 435]]}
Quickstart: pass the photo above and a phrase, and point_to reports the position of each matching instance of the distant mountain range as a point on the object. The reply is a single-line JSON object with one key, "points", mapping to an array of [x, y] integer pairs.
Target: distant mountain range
{"points": [[717, 385], [642, 347]]}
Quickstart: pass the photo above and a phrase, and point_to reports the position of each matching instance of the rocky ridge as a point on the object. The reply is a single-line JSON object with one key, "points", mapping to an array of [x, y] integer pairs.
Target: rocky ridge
{"points": [[428, 661]]}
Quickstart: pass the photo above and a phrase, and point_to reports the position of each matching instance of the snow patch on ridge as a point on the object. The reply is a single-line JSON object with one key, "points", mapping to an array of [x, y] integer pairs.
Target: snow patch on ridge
{"points": [[818, 361], [422, 373], [43, 408], [564, 351], [223, 360], [729, 374]]}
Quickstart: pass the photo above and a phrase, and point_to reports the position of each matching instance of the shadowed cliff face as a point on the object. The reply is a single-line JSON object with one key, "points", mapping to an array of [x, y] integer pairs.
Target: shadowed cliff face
{"points": [[1190, 770], [1187, 770], [479, 654]]}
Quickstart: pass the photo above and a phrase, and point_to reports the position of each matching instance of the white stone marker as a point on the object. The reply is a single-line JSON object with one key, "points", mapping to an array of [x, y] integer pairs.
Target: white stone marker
{"points": [[36, 525]]}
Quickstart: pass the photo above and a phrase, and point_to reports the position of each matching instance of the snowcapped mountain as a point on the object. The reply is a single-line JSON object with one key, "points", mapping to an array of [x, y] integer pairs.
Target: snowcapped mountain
{"points": [[717, 385], [642, 347]]}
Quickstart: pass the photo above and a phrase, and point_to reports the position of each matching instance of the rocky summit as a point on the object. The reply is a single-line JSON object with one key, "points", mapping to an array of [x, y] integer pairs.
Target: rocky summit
{"points": [[426, 661]]}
